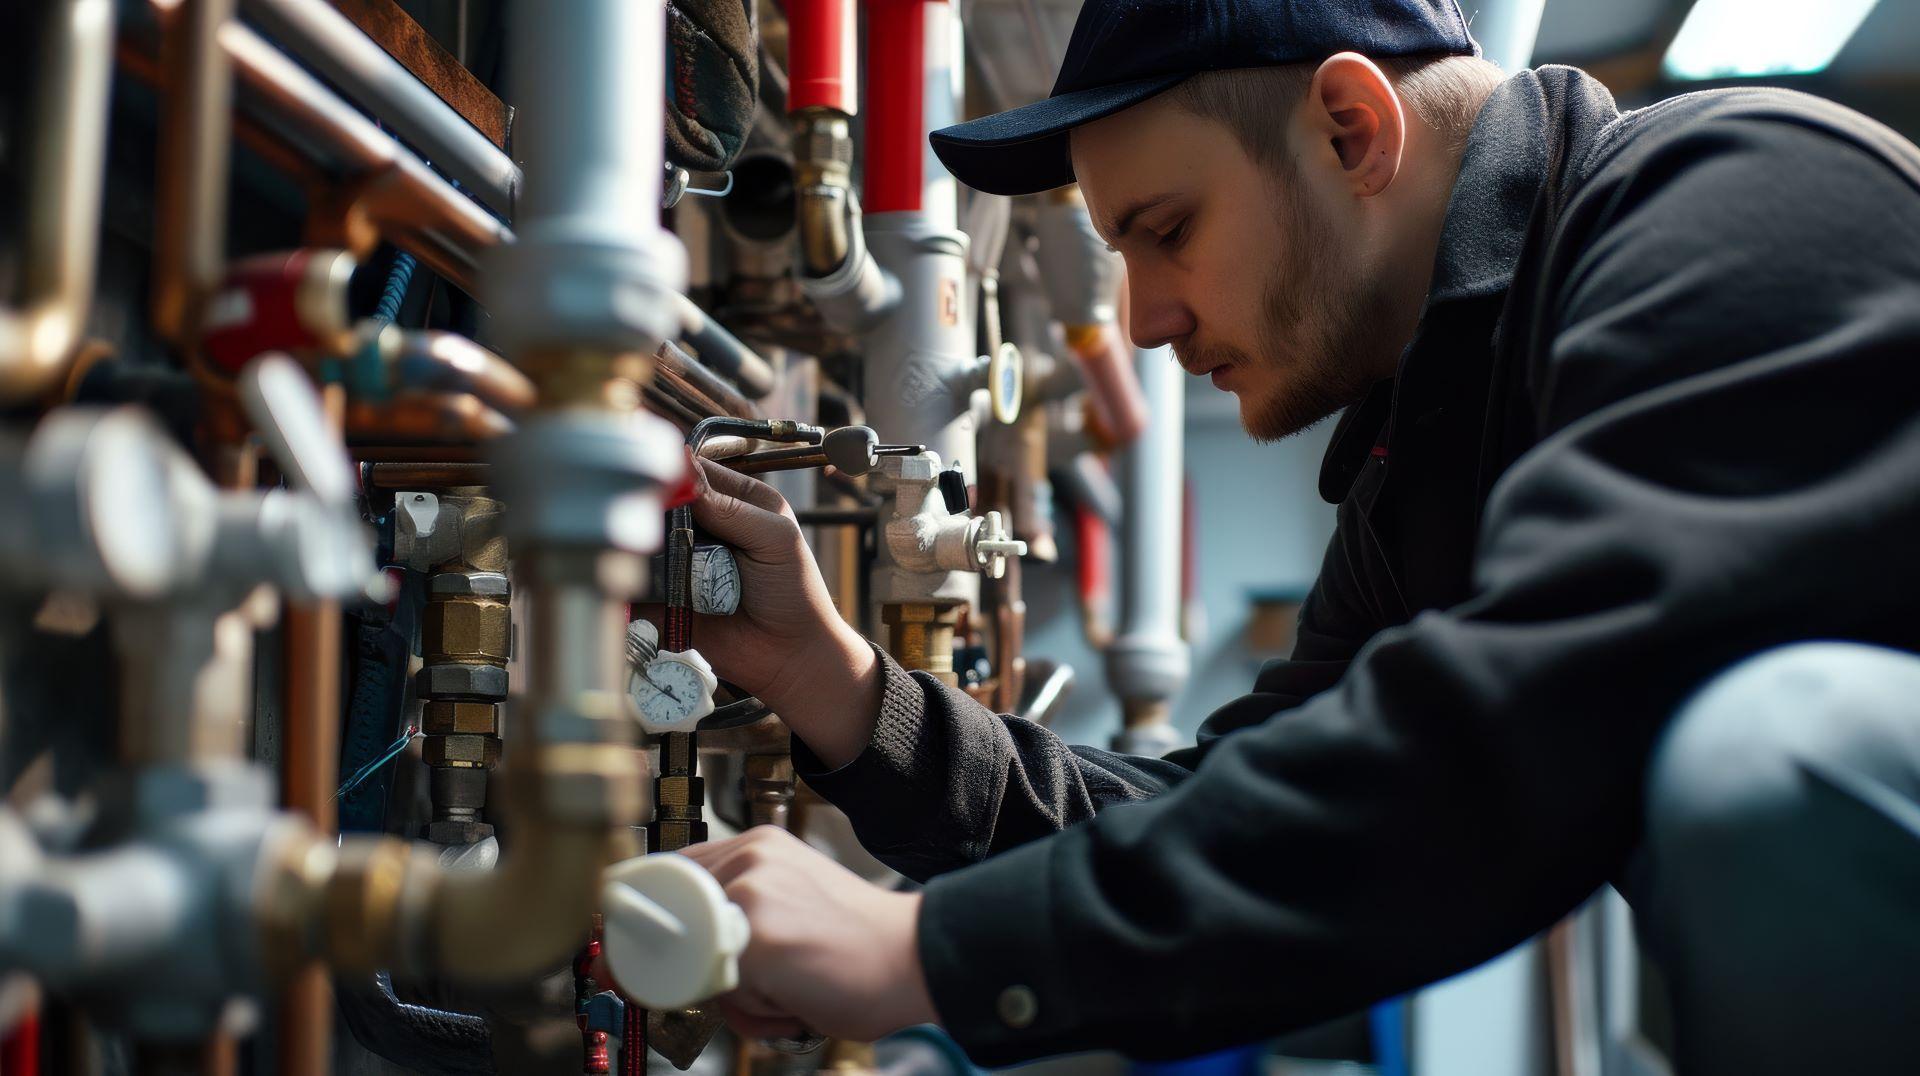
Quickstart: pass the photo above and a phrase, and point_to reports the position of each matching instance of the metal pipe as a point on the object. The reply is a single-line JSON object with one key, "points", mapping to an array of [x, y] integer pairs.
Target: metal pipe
{"points": [[67, 156], [675, 367], [722, 352], [402, 192], [1147, 662], [196, 124], [316, 32]]}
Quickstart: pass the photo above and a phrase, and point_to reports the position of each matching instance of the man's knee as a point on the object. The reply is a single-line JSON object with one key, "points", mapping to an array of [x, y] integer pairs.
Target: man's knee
{"points": [[1741, 763]]}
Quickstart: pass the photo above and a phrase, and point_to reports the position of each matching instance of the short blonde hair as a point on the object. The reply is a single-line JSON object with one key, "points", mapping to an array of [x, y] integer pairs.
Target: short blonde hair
{"points": [[1445, 92]]}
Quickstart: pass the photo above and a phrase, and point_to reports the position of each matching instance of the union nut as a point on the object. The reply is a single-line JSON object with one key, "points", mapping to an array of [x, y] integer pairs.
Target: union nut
{"points": [[460, 750]]}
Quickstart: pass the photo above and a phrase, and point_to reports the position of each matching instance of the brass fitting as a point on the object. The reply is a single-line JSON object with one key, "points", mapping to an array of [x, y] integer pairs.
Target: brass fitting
{"points": [[448, 717], [461, 750], [920, 637], [362, 909], [823, 174], [466, 629]]}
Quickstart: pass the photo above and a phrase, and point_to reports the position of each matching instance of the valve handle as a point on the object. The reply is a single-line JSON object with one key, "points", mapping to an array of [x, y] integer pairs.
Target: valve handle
{"points": [[672, 938], [994, 544], [285, 409]]}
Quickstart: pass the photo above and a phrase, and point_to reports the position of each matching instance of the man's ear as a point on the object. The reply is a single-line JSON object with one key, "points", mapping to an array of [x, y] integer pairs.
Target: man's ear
{"points": [[1354, 106]]}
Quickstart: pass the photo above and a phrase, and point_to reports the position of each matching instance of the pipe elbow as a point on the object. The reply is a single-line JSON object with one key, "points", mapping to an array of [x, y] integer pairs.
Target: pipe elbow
{"points": [[36, 346], [858, 293]]}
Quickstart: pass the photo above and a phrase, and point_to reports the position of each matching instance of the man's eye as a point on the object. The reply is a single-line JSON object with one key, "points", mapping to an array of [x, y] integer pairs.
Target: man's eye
{"points": [[1175, 234]]}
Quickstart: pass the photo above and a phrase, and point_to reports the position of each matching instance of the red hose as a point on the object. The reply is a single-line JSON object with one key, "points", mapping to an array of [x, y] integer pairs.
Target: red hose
{"points": [[820, 71]]}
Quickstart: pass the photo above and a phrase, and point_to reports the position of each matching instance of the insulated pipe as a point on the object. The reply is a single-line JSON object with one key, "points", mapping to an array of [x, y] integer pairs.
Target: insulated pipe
{"points": [[317, 33], [1147, 662], [67, 156]]}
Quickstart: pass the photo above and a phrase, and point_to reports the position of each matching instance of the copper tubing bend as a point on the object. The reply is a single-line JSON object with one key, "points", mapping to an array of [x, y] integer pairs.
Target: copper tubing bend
{"points": [[39, 334]]}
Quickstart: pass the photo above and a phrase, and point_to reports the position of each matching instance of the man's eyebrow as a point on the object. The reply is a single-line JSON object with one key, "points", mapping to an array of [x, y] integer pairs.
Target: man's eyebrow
{"points": [[1118, 229]]}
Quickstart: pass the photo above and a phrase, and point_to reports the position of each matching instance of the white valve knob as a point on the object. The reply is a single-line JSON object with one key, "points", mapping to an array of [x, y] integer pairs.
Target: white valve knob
{"points": [[993, 544], [671, 937]]}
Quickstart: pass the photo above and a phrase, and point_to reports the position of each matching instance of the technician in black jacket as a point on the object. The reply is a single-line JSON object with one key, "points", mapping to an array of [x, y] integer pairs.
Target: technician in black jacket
{"points": [[1630, 426]]}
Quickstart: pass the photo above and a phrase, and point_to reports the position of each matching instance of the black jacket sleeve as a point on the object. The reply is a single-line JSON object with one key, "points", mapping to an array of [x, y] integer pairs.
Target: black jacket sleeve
{"points": [[946, 782], [1729, 460]]}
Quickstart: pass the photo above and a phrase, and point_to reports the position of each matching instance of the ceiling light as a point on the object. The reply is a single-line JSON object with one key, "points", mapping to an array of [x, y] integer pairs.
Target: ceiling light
{"points": [[1753, 38]]}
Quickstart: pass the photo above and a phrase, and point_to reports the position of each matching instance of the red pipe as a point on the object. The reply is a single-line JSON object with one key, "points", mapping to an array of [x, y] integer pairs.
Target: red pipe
{"points": [[820, 55], [896, 105], [20, 1050]]}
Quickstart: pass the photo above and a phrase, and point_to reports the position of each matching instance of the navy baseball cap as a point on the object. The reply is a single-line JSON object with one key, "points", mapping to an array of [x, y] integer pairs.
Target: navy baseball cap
{"points": [[1125, 51]]}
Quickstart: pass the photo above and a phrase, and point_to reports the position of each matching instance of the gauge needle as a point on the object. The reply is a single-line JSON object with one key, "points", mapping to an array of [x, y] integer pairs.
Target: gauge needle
{"points": [[658, 686]]}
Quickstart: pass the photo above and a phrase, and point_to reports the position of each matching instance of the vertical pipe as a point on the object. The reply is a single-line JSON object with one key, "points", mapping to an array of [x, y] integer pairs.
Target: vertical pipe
{"points": [[896, 96], [593, 160], [189, 249], [67, 157], [1147, 662], [310, 774], [820, 48]]}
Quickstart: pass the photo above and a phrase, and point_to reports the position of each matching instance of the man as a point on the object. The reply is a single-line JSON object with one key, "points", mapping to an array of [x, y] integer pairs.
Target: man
{"points": [[1629, 413]]}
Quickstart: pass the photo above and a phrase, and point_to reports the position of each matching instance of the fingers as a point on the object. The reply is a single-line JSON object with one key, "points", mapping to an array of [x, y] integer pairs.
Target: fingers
{"points": [[752, 530], [715, 477]]}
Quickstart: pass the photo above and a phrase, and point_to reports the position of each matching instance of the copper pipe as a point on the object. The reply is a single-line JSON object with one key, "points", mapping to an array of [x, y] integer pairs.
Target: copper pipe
{"points": [[427, 475], [376, 452], [493, 379], [67, 154], [402, 195], [309, 776], [683, 371], [190, 229], [440, 418]]}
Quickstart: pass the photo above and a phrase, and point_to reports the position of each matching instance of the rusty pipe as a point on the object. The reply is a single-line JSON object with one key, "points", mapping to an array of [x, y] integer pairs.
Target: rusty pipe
{"points": [[38, 336]]}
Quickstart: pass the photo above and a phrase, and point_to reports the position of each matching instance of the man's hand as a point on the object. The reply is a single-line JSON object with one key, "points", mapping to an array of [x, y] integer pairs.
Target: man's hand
{"points": [[829, 953], [787, 644]]}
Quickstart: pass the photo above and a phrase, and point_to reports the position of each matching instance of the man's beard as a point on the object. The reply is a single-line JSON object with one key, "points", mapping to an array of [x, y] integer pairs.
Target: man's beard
{"points": [[1321, 328]]}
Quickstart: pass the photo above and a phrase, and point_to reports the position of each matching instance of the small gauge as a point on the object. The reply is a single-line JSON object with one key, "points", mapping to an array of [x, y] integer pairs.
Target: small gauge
{"points": [[673, 691], [1006, 380]]}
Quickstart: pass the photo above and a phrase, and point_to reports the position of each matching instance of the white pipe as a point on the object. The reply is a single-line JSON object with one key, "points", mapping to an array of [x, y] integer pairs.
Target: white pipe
{"points": [[1147, 662]]}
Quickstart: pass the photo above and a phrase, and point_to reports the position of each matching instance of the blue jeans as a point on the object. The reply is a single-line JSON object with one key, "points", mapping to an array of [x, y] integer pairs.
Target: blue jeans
{"points": [[1779, 882]]}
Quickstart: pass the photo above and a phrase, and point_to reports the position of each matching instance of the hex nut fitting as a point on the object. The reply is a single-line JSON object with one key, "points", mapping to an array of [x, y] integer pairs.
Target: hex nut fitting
{"points": [[466, 630], [454, 679], [469, 585], [448, 717], [460, 750]]}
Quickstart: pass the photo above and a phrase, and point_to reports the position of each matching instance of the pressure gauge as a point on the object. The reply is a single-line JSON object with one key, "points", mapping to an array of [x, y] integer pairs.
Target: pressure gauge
{"points": [[673, 691]]}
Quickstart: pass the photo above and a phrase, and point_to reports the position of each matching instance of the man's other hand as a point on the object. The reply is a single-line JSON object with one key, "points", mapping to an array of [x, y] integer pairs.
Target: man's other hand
{"points": [[829, 953], [787, 644]]}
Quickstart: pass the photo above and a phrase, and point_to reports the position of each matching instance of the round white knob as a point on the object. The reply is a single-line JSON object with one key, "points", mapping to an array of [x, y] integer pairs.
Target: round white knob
{"points": [[671, 938]]}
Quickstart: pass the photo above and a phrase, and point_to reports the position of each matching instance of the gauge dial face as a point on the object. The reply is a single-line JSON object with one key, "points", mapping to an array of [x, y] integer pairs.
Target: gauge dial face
{"points": [[670, 692]]}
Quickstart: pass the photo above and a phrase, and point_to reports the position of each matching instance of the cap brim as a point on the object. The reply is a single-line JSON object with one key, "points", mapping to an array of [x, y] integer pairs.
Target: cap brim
{"points": [[1025, 150]]}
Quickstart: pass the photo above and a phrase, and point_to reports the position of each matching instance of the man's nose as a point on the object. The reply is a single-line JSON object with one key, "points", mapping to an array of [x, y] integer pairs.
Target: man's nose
{"points": [[1156, 315]]}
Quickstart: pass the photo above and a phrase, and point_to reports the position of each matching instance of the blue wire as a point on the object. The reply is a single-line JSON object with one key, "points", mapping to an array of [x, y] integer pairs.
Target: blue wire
{"points": [[371, 768], [398, 278]]}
